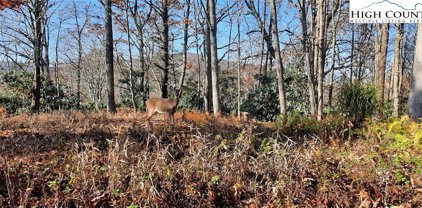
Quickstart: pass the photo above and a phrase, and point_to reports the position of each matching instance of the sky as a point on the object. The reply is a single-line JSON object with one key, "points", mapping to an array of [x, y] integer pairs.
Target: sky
{"points": [[248, 23]]}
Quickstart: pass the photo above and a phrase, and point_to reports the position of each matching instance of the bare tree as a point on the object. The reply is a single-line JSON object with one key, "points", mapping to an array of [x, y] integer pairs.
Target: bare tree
{"points": [[163, 13], [267, 37], [321, 57], [397, 67], [352, 54], [109, 57], [37, 9], [46, 44], [80, 27], [333, 54], [129, 44], [415, 101], [141, 18], [207, 52], [279, 63], [239, 67], [381, 46], [185, 45], [302, 6], [214, 57], [56, 50]]}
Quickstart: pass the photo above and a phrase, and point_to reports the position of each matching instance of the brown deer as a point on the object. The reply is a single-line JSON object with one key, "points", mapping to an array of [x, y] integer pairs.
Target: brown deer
{"points": [[162, 105]]}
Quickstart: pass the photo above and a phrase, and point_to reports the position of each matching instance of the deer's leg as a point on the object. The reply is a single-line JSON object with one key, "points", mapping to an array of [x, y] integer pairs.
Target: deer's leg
{"points": [[172, 117], [169, 117], [150, 114]]}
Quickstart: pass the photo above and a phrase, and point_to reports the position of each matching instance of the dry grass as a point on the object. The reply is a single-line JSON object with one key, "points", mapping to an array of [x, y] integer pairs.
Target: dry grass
{"points": [[76, 159]]}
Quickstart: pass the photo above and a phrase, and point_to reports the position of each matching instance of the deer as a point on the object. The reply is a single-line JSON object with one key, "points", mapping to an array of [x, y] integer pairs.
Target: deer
{"points": [[162, 105]]}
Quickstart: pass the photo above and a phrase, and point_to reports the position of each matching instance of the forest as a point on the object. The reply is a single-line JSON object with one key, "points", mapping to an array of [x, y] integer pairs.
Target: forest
{"points": [[207, 103]]}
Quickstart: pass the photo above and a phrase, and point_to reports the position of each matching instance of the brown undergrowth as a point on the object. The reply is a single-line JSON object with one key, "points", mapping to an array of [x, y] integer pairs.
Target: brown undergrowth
{"points": [[77, 159]]}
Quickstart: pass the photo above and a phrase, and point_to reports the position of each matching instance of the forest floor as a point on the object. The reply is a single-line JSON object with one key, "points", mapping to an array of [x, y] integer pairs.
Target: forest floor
{"points": [[95, 159]]}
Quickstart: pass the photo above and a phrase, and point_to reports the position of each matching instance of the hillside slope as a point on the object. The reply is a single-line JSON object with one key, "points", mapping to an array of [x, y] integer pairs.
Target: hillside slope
{"points": [[75, 159]]}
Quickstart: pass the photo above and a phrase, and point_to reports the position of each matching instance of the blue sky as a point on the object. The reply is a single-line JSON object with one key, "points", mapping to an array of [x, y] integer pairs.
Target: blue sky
{"points": [[248, 23]]}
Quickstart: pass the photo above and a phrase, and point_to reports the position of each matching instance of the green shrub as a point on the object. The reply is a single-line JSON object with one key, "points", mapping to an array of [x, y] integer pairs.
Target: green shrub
{"points": [[357, 101], [95, 106], [17, 93], [262, 102], [400, 139], [191, 98], [229, 90], [386, 109]]}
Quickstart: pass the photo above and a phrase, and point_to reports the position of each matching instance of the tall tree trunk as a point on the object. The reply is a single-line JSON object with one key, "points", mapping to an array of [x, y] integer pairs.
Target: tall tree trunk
{"points": [[415, 96], [79, 29], [109, 57], [238, 69], [207, 80], [262, 68], [199, 54], [198, 47], [56, 62], [229, 44], [139, 23], [185, 47], [267, 36], [333, 54], [129, 43], [78, 72], [46, 43], [321, 64], [390, 87], [352, 53], [381, 58], [308, 61], [144, 72], [214, 57], [397, 65], [172, 65], [315, 40], [165, 46], [36, 91], [279, 64]]}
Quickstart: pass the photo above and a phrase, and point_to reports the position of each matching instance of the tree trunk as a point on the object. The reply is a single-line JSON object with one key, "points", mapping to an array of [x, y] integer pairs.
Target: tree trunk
{"points": [[165, 46], [109, 57], [333, 55], [36, 91], [214, 57], [308, 61], [381, 59], [262, 68], [397, 65], [129, 43], [390, 87], [279, 64], [46, 43], [321, 64], [352, 55], [198, 56], [78, 72], [185, 47], [207, 80], [415, 96], [79, 62], [56, 63], [267, 36], [238, 69], [139, 23]]}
